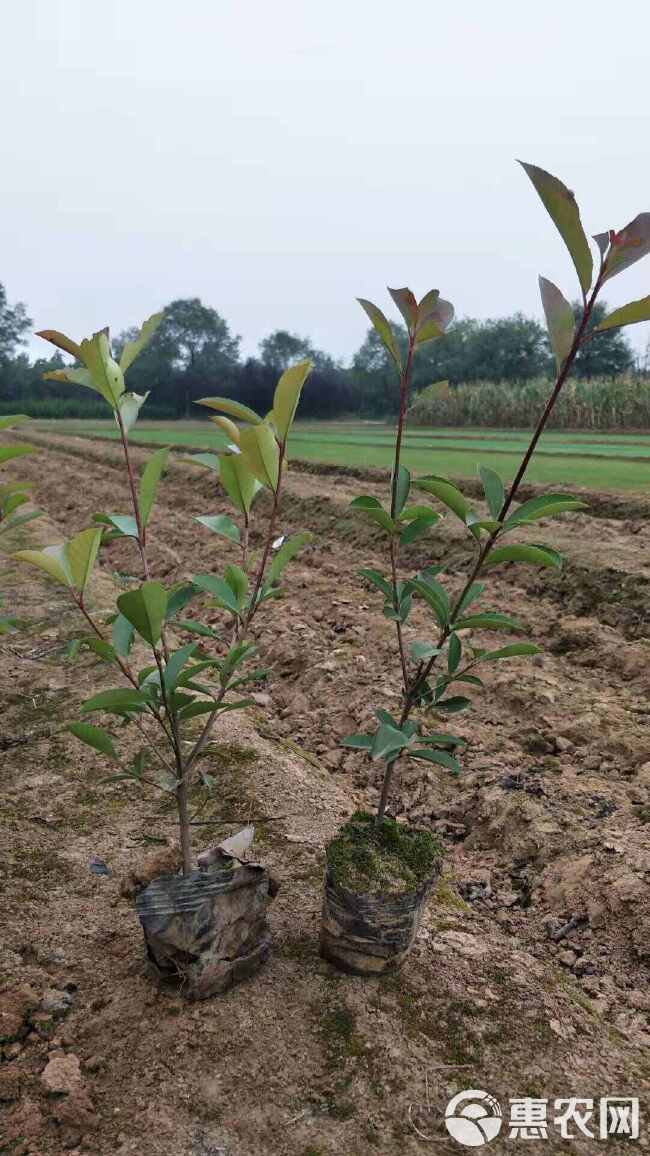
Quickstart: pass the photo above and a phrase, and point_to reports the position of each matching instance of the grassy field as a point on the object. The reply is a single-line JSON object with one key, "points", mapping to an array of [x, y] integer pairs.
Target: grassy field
{"points": [[599, 461]]}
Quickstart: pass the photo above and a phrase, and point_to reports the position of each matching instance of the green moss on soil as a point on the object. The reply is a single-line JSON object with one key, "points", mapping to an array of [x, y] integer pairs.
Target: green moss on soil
{"points": [[367, 857]]}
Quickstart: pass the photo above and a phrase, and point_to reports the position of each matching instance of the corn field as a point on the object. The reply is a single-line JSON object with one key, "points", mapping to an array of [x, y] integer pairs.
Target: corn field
{"points": [[600, 403]]}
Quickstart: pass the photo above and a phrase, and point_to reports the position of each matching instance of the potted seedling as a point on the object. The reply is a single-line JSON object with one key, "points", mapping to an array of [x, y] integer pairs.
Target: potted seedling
{"points": [[205, 925], [379, 873], [13, 495]]}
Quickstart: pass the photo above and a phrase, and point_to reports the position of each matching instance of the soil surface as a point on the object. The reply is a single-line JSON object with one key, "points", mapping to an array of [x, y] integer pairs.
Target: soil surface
{"points": [[530, 976]]}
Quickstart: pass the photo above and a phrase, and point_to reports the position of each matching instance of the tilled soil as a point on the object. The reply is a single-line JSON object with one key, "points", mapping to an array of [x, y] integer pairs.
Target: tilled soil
{"points": [[530, 977]]}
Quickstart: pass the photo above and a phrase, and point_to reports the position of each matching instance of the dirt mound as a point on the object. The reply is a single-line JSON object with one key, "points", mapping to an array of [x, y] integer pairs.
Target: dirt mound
{"points": [[531, 972]]}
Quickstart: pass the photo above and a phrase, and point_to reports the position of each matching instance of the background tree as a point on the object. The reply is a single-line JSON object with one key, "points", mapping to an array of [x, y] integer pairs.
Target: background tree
{"points": [[192, 349], [281, 349], [606, 355], [14, 324]]}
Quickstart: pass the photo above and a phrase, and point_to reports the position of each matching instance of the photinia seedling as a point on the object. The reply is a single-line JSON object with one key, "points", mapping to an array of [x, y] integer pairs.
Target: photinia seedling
{"points": [[435, 670], [210, 675]]}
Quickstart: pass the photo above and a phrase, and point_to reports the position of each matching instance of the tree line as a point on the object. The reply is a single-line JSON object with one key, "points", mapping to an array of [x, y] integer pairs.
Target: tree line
{"points": [[194, 353]]}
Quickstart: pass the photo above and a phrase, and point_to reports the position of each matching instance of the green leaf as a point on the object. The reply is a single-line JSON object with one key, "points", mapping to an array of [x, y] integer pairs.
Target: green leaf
{"points": [[134, 348], [94, 737], [196, 708], [536, 555], [422, 651], [179, 597], [286, 552], [378, 580], [628, 246], [149, 482], [358, 742], [453, 705], [546, 506], [434, 315], [130, 406], [433, 307], [513, 651], [407, 305], [52, 560], [387, 740], [493, 490], [77, 376], [229, 428], [438, 739], [602, 240], [442, 758], [234, 408], [221, 524], [238, 582], [487, 621], [476, 524], [7, 453], [373, 510], [106, 374], [208, 461], [454, 653], [19, 520], [435, 596], [365, 502], [238, 481], [100, 647], [287, 396], [145, 609], [418, 527], [561, 205], [177, 661], [628, 314], [411, 512], [560, 321], [383, 329], [120, 701], [197, 628], [122, 634], [446, 493], [402, 489], [471, 595], [261, 453], [125, 524], [13, 502], [219, 589]]}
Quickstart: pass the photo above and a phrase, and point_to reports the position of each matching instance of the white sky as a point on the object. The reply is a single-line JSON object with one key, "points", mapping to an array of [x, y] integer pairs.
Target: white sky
{"points": [[278, 158]]}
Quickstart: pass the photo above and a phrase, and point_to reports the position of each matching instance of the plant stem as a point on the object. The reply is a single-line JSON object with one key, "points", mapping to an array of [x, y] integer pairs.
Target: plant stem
{"points": [[126, 671], [404, 383], [423, 672], [486, 549], [182, 766], [244, 625], [267, 547], [124, 438]]}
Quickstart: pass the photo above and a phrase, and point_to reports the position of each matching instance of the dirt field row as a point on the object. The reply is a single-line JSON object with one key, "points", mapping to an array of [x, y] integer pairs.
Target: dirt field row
{"points": [[531, 973]]}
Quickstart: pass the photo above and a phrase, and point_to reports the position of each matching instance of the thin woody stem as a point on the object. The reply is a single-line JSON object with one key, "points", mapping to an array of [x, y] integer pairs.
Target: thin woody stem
{"points": [[174, 737], [423, 673], [124, 667], [243, 626], [405, 380]]}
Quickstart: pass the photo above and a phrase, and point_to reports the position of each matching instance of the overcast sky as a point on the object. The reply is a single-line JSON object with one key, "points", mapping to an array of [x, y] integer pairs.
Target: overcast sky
{"points": [[278, 158]]}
